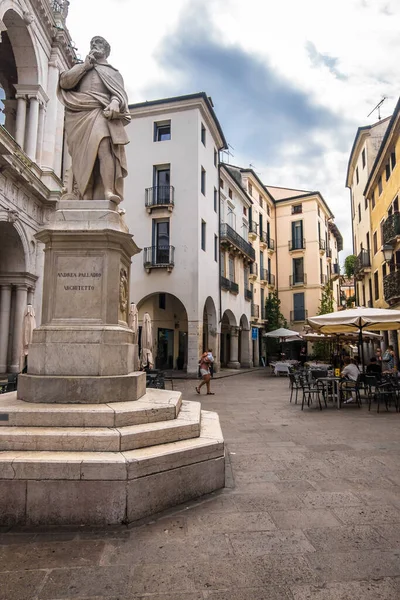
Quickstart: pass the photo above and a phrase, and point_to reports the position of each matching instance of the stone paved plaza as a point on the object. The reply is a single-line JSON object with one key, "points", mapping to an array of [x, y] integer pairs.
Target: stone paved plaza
{"points": [[311, 511]]}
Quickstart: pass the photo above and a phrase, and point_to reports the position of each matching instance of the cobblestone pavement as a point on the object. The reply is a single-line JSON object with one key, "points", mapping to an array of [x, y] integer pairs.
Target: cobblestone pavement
{"points": [[311, 512]]}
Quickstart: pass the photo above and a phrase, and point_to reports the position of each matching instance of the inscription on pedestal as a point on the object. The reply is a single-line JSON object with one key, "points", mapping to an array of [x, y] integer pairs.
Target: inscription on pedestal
{"points": [[78, 287]]}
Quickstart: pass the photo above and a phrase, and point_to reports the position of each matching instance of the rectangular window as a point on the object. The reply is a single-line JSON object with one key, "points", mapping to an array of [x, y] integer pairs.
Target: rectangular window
{"points": [[261, 224], [297, 209], [203, 135], [260, 200], [373, 200], [215, 200], [384, 270], [216, 248], [365, 203], [319, 211], [230, 194], [203, 235], [221, 183], [387, 171], [250, 188], [357, 176], [203, 181], [215, 158], [376, 285], [162, 184], [298, 271], [359, 212], [162, 302], [299, 313], [297, 235], [262, 302], [161, 241], [363, 158], [393, 159], [268, 210], [222, 264], [375, 242], [380, 185], [245, 211], [162, 131], [231, 268]]}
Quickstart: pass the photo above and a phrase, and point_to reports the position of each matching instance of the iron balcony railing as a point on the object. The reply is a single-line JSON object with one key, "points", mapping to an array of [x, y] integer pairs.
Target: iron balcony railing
{"points": [[253, 227], [263, 237], [336, 269], [297, 244], [322, 245], [391, 287], [271, 244], [230, 286], [328, 253], [324, 279], [160, 195], [254, 269], [158, 256], [263, 274], [255, 311], [227, 233], [271, 279], [391, 228], [248, 294], [297, 280], [363, 262], [298, 315]]}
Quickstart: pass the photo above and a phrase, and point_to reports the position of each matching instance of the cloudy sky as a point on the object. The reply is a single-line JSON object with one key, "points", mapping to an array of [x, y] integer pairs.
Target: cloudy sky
{"points": [[290, 80]]}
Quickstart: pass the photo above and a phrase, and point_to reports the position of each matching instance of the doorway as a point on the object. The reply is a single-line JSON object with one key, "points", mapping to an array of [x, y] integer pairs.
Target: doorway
{"points": [[165, 348]]}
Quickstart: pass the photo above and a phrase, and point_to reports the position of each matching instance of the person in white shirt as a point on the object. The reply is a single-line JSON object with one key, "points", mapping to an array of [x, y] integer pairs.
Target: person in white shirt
{"points": [[350, 371]]}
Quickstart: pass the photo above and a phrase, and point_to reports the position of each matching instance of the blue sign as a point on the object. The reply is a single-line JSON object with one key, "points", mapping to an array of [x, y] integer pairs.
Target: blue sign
{"points": [[254, 333]]}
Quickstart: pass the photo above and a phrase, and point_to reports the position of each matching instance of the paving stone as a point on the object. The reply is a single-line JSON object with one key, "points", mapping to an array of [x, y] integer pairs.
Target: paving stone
{"points": [[269, 593], [50, 555], [261, 503], [299, 485], [87, 581], [222, 575], [284, 569], [303, 519], [391, 533], [156, 578], [347, 537], [364, 564], [327, 499], [351, 590], [20, 585], [232, 522], [365, 515], [259, 543]]}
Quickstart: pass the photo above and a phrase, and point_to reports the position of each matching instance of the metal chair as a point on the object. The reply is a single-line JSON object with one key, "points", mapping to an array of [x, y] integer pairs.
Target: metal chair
{"points": [[295, 385], [347, 388]]}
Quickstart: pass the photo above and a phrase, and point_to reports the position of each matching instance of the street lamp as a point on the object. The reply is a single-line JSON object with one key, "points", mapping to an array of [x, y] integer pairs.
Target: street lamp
{"points": [[387, 250]]}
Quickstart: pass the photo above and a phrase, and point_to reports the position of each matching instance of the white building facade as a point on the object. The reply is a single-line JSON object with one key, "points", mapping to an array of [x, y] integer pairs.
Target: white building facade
{"points": [[35, 46], [172, 208]]}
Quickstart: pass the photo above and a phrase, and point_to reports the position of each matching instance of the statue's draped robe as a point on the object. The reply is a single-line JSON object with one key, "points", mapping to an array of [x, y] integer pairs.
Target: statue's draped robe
{"points": [[86, 125]]}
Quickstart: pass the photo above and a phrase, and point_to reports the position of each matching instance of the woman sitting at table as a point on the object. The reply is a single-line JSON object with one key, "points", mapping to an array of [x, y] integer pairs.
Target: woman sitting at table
{"points": [[351, 370]]}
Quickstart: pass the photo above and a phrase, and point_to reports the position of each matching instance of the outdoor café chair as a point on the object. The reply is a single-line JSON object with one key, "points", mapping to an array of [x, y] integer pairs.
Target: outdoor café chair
{"points": [[295, 386], [347, 390], [312, 389]]}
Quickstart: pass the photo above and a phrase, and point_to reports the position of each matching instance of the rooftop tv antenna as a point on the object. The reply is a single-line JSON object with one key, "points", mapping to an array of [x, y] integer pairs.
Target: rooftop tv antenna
{"points": [[378, 108]]}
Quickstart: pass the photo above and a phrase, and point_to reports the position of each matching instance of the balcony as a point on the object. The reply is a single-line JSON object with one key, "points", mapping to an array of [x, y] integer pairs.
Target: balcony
{"points": [[391, 287], [263, 275], [271, 279], [158, 257], [328, 253], [391, 228], [229, 236], [255, 311], [322, 245], [335, 271], [263, 240], [263, 313], [298, 316], [253, 271], [160, 196], [297, 281], [362, 264], [248, 294], [253, 230], [323, 279], [297, 245], [229, 286], [271, 244]]}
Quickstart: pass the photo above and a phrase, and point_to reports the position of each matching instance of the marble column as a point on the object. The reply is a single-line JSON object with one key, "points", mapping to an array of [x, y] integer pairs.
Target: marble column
{"points": [[33, 126], [21, 120], [256, 353], [234, 349], [195, 343], [5, 311], [245, 358], [20, 307], [39, 144]]}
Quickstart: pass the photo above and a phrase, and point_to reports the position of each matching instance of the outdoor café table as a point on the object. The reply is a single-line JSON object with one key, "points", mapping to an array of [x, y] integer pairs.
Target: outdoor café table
{"points": [[281, 367], [335, 386]]}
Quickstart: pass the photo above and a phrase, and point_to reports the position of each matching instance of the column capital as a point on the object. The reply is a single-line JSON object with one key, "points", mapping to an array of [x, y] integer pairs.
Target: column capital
{"points": [[235, 330], [5, 286], [31, 91], [22, 287]]}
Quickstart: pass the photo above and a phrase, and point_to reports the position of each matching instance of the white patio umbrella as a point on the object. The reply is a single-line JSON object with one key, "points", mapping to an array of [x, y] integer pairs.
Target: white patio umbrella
{"points": [[146, 354], [29, 324], [282, 334], [357, 320]]}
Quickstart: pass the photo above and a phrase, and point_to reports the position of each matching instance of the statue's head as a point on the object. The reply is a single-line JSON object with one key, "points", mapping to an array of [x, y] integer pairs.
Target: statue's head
{"points": [[100, 47]]}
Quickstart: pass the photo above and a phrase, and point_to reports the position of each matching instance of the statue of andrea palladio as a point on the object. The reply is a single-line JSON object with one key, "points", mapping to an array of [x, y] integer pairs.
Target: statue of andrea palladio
{"points": [[96, 112]]}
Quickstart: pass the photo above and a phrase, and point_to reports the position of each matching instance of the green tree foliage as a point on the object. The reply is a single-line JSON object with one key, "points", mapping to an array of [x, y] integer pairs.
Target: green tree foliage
{"points": [[349, 265], [273, 315], [323, 350]]}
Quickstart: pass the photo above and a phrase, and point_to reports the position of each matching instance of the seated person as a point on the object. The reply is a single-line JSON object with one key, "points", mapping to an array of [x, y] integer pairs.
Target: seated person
{"points": [[350, 371], [374, 368]]}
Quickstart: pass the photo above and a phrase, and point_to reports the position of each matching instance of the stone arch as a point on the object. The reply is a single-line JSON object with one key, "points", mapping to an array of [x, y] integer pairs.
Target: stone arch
{"points": [[229, 340], [23, 47], [170, 328], [14, 251], [210, 330]]}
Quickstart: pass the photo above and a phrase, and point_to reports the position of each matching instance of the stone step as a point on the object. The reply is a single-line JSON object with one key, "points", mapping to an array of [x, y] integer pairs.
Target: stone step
{"points": [[161, 406], [130, 464], [103, 439]]}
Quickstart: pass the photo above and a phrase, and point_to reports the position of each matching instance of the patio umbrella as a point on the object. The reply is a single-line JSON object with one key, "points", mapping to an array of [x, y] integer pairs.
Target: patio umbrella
{"points": [[283, 335], [146, 354], [29, 324], [357, 320]]}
